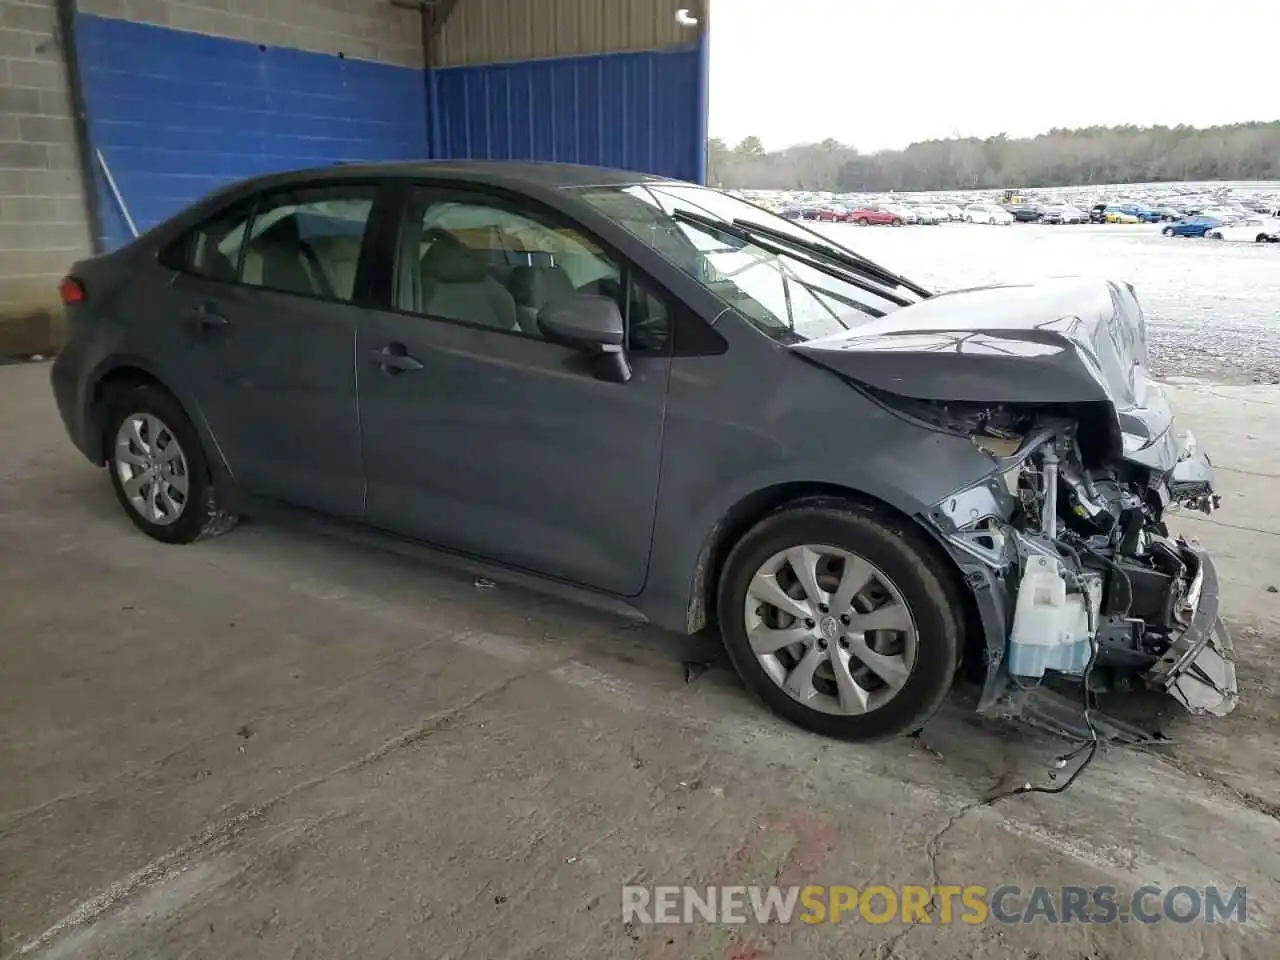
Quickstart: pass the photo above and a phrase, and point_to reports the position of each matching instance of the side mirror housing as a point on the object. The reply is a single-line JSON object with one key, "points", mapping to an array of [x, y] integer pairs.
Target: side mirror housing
{"points": [[583, 320], [589, 322]]}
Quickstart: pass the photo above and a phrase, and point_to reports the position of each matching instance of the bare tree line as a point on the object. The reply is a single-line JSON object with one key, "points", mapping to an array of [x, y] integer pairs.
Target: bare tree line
{"points": [[1092, 155]]}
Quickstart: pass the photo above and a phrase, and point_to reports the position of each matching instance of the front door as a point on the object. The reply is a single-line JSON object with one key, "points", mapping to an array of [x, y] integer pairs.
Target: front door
{"points": [[264, 296], [479, 434]]}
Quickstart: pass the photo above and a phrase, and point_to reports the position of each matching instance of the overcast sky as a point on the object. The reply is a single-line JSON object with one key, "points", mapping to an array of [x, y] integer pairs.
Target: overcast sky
{"points": [[884, 73]]}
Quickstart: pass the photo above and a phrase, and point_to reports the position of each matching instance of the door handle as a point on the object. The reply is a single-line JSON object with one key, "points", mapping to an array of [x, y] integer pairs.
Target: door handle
{"points": [[206, 316], [394, 359]]}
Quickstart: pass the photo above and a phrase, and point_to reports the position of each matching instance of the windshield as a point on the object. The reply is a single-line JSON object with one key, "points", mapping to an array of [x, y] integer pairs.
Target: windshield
{"points": [[780, 293]]}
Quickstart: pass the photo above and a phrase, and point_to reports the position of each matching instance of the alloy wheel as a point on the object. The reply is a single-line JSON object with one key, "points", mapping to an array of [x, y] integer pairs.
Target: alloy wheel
{"points": [[832, 630], [152, 468]]}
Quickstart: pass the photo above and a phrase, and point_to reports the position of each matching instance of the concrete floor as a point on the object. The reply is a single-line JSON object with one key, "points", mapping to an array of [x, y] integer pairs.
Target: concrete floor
{"points": [[278, 744]]}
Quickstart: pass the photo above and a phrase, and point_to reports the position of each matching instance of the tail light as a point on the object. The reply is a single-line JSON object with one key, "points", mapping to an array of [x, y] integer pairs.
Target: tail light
{"points": [[71, 290]]}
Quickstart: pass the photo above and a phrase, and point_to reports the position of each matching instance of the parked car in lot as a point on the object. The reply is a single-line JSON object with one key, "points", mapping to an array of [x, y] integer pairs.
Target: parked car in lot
{"points": [[625, 389], [952, 212], [1248, 230], [987, 213], [899, 212], [1223, 214], [1119, 215], [1191, 227], [868, 215], [1061, 213], [926, 214], [1023, 212]]}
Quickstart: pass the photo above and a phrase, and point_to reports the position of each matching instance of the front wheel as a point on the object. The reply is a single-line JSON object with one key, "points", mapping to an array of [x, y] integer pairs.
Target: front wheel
{"points": [[862, 221], [1167, 231], [895, 222], [1214, 235], [1261, 238], [158, 467], [840, 620]]}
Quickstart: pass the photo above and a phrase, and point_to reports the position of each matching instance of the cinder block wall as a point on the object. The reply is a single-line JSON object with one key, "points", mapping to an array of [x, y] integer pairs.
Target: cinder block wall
{"points": [[42, 213], [44, 222], [364, 29]]}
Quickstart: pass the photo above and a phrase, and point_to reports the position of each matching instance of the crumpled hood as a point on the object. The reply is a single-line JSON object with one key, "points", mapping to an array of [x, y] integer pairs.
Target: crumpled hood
{"points": [[1064, 341]]}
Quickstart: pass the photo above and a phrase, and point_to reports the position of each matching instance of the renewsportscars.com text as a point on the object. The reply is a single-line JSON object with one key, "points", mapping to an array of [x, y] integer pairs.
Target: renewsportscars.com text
{"points": [[942, 904]]}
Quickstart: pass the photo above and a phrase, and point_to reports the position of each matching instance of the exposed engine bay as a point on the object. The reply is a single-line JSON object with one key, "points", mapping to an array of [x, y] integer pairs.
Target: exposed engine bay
{"points": [[1061, 534], [1078, 564]]}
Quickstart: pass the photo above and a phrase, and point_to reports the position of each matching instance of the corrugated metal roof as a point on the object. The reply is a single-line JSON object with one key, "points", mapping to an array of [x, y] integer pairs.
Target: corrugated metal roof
{"points": [[499, 31]]}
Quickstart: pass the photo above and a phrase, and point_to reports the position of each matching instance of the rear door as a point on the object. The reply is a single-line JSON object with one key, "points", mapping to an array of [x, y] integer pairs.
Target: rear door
{"points": [[267, 295], [483, 437]]}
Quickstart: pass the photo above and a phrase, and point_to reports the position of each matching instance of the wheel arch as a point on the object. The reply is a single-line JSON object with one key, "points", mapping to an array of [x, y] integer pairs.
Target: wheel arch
{"points": [[114, 372], [756, 506], [124, 371]]}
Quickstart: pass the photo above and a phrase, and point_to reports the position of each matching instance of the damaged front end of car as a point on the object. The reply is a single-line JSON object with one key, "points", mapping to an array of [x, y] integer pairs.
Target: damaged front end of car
{"points": [[1076, 574], [1063, 540]]}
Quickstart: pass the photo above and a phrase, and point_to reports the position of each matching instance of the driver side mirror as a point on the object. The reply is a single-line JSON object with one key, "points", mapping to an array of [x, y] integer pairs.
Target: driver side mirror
{"points": [[591, 322]]}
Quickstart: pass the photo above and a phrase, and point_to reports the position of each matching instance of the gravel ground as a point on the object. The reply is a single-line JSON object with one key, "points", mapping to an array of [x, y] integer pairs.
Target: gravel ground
{"points": [[1213, 308]]}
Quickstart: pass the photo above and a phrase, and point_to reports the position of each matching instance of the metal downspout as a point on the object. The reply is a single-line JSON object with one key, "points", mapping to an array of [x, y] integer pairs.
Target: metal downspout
{"points": [[65, 11]]}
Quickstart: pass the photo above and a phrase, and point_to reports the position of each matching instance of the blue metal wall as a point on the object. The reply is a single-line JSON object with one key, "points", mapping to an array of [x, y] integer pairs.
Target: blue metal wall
{"points": [[639, 111], [177, 114]]}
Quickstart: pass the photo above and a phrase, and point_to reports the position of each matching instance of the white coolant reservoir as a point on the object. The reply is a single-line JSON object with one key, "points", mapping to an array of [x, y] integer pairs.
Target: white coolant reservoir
{"points": [[1050, 629]]}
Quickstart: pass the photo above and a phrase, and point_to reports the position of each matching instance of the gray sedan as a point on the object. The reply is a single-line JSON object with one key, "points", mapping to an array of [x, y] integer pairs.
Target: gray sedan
{"points": [[659, 398]]}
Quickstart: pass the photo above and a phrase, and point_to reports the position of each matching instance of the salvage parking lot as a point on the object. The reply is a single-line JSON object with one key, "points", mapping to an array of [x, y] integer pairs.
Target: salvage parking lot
{"points": [[279, 743]]}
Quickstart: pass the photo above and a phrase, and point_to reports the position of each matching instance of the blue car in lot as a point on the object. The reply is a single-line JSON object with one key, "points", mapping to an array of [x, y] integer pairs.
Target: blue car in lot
{"points": [[1144, 214], [1191, 227]]}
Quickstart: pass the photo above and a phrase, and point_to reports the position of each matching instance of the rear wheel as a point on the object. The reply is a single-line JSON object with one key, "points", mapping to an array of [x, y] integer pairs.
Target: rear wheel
{"points": [[1167, 231], [1214, 235], [158, 467], [1261, 238], [895, 222], [862, 221], [839, 619]]}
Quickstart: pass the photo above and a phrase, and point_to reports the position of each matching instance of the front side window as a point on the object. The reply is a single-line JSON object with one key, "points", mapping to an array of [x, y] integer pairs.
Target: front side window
{"points": [[490, 262], [782, 295], [305, 241]]}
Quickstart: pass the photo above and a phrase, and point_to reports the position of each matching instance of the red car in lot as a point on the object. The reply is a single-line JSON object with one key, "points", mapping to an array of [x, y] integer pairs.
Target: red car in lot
{"points": [[866, 215], [831, 213]]}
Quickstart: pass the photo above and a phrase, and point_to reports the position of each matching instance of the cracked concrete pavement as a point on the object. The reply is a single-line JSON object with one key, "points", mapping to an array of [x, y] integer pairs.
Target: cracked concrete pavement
{"points": [[282, 744]]}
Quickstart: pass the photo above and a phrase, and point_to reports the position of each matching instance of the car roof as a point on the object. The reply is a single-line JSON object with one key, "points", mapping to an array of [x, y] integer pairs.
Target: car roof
{"points": [[498, 172]]}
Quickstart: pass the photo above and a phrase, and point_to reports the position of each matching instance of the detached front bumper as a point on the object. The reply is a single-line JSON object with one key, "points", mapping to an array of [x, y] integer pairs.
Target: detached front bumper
{"points": [[1199, 670]]}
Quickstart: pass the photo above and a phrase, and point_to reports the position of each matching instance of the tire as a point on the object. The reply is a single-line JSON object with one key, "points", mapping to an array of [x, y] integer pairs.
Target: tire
{"points": [[1213, 235], [895, 222], [1261, 238], [1167, 231], [905, 584], [139, 421], [861, 221]]}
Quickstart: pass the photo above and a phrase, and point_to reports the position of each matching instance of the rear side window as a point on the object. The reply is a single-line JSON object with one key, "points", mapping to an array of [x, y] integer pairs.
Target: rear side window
{"points": [[213, 249], [305, 241], [308, 241]]}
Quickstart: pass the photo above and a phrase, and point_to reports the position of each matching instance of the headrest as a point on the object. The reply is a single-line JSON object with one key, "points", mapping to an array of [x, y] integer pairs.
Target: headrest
{"points": [[535, 286], [447, 260], [284, 232]]}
